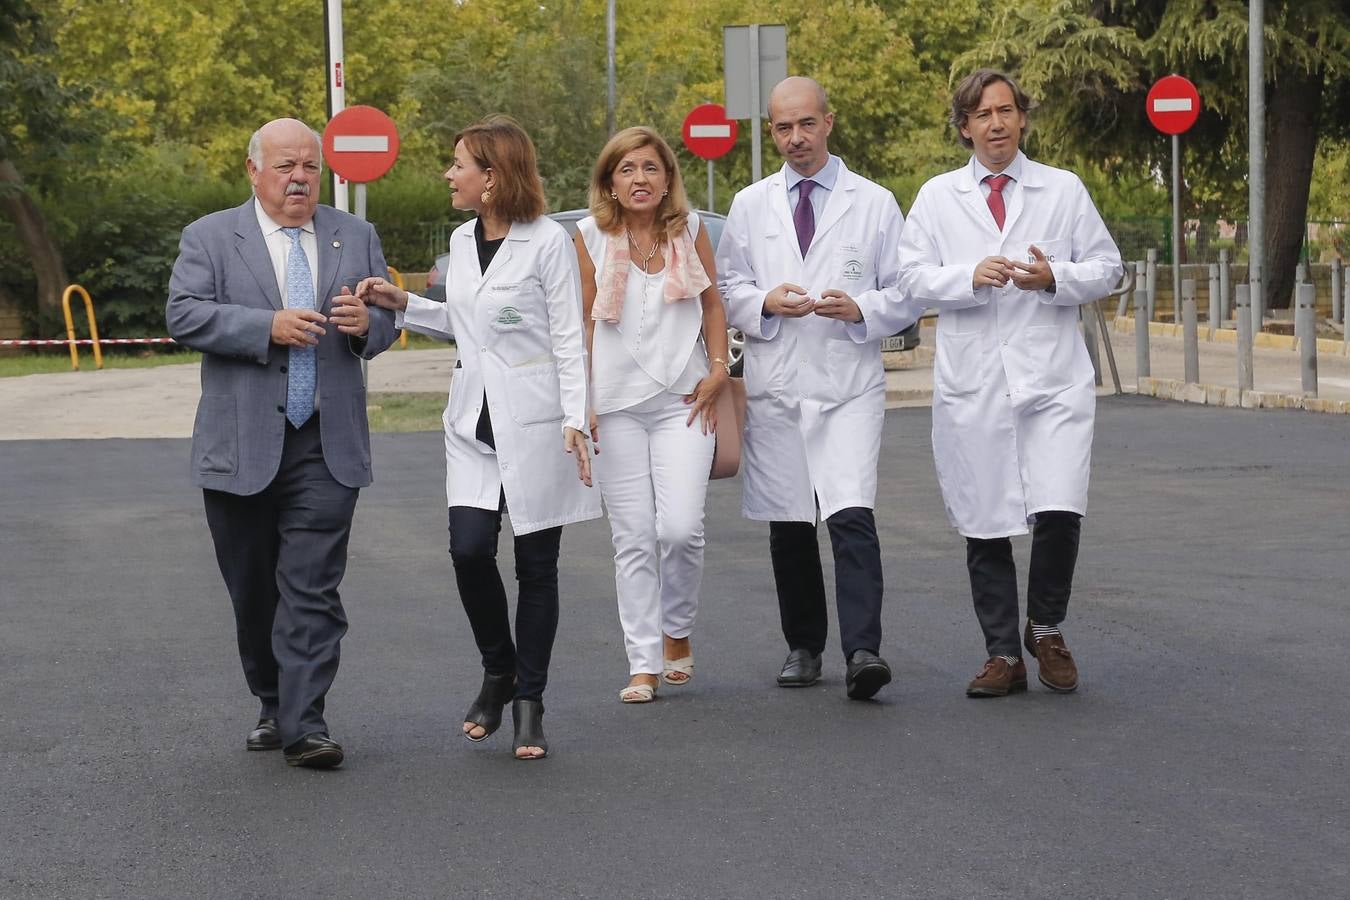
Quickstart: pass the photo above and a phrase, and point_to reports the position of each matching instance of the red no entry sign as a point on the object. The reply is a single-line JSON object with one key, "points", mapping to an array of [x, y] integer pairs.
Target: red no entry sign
{"points": [[360, 143], [1173, 104], [708, 133]]}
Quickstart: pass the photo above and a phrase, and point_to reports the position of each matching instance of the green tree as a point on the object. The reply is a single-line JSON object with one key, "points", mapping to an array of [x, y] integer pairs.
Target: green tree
{"points": [[1093, 62], [40, 128]]}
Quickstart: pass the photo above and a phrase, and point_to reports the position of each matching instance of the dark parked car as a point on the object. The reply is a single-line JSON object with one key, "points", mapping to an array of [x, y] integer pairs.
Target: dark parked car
{"points": [[714, 222]]}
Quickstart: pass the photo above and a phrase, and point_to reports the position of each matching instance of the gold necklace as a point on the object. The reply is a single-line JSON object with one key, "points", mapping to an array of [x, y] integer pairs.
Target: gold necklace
{"points": [[647, 257]]}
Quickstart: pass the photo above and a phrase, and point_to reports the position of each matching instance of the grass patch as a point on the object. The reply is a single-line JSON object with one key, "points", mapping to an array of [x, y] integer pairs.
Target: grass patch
{"points": [[58, 360], [405, 410]]}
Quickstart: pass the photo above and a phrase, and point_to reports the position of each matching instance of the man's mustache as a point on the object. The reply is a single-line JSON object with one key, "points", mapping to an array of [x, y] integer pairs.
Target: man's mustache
{"points": [[297, 187]]}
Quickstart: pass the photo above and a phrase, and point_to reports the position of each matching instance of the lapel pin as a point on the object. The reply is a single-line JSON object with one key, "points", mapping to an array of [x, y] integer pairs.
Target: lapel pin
{"points": [[337, 244]]}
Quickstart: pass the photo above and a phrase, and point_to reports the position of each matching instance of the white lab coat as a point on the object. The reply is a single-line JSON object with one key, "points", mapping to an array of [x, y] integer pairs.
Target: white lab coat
{"points": [[815, 387], [519, 337], [1013, 391]]}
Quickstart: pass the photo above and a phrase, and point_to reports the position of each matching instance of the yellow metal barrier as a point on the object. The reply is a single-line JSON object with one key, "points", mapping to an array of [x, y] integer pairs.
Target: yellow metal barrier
{"points": [[70, 326], [398, 280]]}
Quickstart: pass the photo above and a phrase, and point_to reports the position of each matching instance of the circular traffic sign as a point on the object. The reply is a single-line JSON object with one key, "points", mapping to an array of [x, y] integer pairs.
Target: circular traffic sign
{"points": [[708, 133], [1173, 104], [360, 143]]}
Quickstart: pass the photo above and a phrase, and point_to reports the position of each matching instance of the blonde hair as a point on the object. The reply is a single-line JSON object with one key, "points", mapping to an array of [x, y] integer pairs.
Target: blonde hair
{"points": [[500, 144], [673, 212]]}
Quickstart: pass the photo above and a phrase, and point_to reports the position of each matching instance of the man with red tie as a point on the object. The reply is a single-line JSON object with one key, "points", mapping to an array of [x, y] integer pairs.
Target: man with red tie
{"points": [[1007, 249]]}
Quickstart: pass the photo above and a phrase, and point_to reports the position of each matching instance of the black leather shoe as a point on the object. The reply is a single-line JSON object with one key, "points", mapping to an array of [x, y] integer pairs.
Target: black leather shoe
{"points": [[867, 673], [800, 669], [528, 716], [265, 737], [315, 751], [486, 711]]}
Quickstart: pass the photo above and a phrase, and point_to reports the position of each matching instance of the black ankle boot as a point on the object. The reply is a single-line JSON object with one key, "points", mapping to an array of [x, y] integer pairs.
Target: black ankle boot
{"points": [[529, 721], [486, 710]]}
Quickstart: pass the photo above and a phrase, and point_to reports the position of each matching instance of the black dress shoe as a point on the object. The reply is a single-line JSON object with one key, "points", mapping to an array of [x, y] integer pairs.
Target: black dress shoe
{"points": [[486, 711], [800, 669], [265, 737], [867, 673], [315, 751], [528, 716]]}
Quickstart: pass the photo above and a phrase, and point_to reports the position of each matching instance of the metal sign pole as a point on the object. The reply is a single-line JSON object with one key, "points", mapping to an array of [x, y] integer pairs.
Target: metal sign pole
{"points": [[711, 207], [755, 105], [609, 68], [1176, 228], [1256, 156], [337, 90]]}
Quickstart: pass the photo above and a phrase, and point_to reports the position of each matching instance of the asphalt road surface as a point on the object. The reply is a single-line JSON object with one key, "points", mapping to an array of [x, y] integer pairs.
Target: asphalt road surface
{"points": [[1204, 755]]}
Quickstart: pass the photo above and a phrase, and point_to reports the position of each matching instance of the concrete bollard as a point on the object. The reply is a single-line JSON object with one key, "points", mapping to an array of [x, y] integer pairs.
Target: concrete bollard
{"points": [[1306, 317], [1242, 313], [1141, 320], [1225, 286], [1214, 302], [1190, 331], [1258, 298], [1337, 283]]}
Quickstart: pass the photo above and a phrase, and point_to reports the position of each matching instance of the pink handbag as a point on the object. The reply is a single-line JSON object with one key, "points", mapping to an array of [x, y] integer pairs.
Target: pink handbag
{"points": [[730, 423]]}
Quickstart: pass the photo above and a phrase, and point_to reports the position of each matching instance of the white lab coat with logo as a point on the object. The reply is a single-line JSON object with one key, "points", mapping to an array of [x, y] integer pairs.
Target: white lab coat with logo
{"points": [[816, 389], [518, 331], [1013, 391]]}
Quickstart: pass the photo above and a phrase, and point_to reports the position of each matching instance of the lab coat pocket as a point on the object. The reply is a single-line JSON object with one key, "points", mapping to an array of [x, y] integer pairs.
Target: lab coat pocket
{"points": [[957, 363], [1049, 357], [1054, 250], [216, 445], [851, 270], [533, 394]]}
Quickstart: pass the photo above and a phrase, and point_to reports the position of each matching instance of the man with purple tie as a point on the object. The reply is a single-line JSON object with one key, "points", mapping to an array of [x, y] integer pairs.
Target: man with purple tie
{"points": [[809, 269]]}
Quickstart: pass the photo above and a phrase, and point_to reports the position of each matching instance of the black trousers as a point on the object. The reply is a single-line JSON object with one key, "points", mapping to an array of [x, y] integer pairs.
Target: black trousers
{"points": [[283, 553], [473, 550], [993, 579], [800, 581]]}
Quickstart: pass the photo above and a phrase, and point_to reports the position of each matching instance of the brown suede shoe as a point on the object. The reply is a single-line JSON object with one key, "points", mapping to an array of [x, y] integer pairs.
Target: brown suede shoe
{"points": [[998, 679], [1054, 663]]}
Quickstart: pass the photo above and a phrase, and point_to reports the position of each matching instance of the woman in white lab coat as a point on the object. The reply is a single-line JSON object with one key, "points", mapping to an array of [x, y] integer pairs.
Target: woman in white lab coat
{"points": [[515, 422], [658, 339]]}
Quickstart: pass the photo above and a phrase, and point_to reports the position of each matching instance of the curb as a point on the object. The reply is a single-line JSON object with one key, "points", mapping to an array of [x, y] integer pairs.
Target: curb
{"points": [[1221, 395]]}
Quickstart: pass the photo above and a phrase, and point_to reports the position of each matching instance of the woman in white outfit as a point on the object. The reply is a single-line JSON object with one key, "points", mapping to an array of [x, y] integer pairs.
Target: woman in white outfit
{"points": [[657, 334], [517, 409]]}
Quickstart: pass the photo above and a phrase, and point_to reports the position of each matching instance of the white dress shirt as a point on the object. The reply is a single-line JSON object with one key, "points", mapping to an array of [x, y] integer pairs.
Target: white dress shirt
{"points": [[279, 248]]}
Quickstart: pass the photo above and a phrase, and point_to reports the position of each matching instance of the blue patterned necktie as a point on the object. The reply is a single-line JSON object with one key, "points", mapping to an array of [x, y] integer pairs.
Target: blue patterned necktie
{"points": [[301, 366]]}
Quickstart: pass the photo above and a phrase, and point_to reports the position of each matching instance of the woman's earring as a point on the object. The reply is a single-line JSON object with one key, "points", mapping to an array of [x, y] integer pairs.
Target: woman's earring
{"points": [[486, 197], [664, 193], [613, 195]]}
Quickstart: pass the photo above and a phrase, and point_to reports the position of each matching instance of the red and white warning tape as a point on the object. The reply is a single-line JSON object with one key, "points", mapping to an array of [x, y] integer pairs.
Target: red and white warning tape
{"points": [[86, 342]]}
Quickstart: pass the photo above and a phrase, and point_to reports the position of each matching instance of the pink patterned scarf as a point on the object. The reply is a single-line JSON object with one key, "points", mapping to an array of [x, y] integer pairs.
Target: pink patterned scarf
{"points": [[685, 276]]}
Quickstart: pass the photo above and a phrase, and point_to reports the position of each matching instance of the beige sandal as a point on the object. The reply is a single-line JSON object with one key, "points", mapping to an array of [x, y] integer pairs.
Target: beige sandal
{"points": [[637, 693], [678, 672]]}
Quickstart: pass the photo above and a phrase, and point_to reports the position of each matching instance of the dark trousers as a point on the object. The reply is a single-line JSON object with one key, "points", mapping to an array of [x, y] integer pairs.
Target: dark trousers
{"points": [[283, 553], [473, 550], [993, 579], [801, 582]]}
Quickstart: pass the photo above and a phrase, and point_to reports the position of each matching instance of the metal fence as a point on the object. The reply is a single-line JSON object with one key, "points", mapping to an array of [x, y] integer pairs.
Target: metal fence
{"points": [[1204, 238]]}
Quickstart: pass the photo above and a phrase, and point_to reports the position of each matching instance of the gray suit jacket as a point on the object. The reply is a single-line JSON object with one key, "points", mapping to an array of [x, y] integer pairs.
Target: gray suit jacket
{"points": [[221, 299]]}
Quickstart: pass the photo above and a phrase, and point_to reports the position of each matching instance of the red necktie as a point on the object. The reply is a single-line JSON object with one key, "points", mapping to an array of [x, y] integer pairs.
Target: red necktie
{"points": [[995, 199]]}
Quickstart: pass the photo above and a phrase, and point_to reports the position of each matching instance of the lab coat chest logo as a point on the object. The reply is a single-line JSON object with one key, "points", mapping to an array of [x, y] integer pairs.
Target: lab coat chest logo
{"points": [[508, 317], [853, 270]]}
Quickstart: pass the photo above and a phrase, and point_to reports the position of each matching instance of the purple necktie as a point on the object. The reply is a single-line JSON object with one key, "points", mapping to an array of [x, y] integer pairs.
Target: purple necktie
{"points": [[804, 217]]}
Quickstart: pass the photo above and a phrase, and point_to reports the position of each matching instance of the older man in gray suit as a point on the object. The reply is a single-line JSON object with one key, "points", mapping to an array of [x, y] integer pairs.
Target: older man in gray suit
{"points": [[281, 445]]}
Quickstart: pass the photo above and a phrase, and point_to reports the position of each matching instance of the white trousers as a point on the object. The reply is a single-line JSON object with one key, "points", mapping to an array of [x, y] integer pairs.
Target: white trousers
{"points": [[653, 473]]}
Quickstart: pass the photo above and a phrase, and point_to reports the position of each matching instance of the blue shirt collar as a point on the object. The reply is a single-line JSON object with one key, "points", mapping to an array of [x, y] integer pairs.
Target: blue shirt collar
{"points": [[826, 177]]}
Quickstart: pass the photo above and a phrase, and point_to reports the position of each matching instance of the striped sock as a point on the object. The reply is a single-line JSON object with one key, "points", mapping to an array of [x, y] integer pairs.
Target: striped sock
{"points": [[1041, 631]]}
